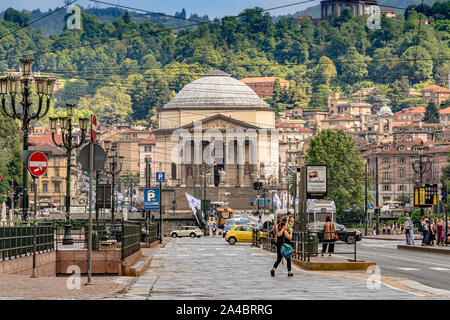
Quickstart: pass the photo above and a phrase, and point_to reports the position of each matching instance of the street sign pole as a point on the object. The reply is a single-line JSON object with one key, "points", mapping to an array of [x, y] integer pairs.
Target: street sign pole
{"points": [[91, 177], [34, 275], [160, 213], [365, 201]]}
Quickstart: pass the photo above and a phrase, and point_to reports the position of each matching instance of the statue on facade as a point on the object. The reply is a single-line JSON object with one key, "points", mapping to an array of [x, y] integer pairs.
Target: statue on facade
{"points": [[223, 176], [168, 182]]}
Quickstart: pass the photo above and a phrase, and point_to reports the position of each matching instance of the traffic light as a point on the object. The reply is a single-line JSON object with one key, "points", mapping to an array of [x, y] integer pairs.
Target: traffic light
{"points": [[257, 185], [377, 211], [444, 193]]}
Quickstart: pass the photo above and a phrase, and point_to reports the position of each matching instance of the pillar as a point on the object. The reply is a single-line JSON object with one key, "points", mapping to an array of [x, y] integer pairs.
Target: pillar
{"points": [[226, 166]]}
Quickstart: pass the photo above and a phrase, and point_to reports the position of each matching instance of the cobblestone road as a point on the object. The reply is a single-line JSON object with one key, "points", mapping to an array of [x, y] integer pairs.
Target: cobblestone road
{"points": [[210, 268]]}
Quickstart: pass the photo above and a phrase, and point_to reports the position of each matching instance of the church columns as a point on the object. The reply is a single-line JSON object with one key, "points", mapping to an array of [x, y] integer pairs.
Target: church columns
{"points": [[211, 175], [183, 174], [226, 163], [241, 161]]}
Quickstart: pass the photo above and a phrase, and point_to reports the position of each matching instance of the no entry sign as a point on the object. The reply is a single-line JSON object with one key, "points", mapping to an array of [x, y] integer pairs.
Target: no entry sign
{"points": [[37, 164]]}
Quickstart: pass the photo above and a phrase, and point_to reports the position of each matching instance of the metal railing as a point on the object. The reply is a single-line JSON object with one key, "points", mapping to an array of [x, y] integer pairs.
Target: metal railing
{"points": [[131, 238], [152, 232], [305, 244], [17, 241]]}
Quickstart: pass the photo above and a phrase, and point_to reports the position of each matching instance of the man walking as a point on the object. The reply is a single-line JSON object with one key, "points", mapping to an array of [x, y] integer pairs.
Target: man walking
{"points": [[409, 226]]}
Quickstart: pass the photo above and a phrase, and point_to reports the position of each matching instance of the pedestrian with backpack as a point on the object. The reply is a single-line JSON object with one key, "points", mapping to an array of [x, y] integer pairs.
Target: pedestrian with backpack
{"points": [[284, 249]]}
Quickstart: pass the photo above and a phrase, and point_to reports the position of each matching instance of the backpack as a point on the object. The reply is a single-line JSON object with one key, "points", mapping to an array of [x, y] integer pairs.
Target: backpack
{"points": [[421, 229], [287, 251]]}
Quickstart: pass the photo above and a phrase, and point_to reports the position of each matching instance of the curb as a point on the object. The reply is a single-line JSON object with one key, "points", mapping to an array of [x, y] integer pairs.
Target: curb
{"points": [[424, 249], [333, 266], [391, 239]]}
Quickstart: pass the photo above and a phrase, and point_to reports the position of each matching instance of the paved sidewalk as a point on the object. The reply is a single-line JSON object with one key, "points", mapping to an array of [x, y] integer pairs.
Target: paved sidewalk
{"points": [[392, 237], [209, 268], [16, 287], [430, 249]]}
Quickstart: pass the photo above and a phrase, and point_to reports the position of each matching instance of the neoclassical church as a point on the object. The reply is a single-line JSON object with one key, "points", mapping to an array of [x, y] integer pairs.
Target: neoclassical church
{"points": [[217, 131]]}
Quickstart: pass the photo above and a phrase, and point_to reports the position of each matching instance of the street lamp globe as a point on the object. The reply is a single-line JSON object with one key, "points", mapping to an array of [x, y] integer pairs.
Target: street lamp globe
{"points": [[13, 84], [121, 158], [64, 122], [41, 83], [3, 86], [107, 145], [70, 109], [25, 66], [84, 123], [50, 87], [53, 123]]}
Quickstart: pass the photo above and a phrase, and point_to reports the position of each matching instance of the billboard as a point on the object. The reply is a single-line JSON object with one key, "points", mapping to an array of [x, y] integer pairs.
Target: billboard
{"points": [[425, 196], [316, 182]]}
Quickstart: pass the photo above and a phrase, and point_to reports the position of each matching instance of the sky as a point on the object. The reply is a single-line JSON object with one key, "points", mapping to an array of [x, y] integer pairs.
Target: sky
{"points": [[213, 8]]}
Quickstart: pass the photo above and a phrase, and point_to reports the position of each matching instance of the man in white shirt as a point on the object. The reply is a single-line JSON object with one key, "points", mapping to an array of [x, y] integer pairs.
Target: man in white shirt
{"points": [[409, 226]]}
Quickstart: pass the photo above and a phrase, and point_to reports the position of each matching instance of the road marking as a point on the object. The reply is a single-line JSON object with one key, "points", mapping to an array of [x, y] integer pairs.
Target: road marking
{"points": [[409, 269], [229, 254], [440, 269], [408, 259]]}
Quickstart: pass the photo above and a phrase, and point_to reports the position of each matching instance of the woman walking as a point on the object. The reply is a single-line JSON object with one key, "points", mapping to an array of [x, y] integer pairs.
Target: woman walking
{"points": [[440, 231], [282, 236], [329, 237], [432, 231]]}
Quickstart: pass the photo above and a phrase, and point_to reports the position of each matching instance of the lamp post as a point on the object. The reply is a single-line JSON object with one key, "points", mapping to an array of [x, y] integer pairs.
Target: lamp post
{"points": [[65, 124], [13, 85], [419, 165], [115, 166]]}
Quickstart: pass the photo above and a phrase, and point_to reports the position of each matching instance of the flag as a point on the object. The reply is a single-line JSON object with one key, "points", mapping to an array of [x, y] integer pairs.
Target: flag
{"points": [[284, 201], [277, 201], [194, 204]]}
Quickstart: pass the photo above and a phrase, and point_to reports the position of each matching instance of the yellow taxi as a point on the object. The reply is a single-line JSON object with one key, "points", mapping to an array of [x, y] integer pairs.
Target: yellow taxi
{"points": [[242, 233]]}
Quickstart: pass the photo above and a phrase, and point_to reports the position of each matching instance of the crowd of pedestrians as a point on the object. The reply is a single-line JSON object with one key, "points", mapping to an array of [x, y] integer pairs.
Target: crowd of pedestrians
{"points": [[433, 231]]}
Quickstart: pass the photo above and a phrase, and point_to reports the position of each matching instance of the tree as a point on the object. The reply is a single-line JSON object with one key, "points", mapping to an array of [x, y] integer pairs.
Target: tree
{"points": [[353, 66], [22, 18], [126, 17], [325, 72], [431, 114], [345, 167]]}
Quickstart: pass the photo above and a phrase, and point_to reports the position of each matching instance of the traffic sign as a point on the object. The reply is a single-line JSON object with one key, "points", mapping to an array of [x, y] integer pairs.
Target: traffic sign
{"points": [[370, 206], [0, 177], [94, 127], [37, 164], [151, 199], [160, 176], [99, 157]]}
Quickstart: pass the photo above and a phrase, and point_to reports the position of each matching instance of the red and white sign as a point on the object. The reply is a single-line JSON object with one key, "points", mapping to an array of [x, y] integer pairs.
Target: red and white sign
{"points": [[37, 164], [0, 177], [94, 127]]}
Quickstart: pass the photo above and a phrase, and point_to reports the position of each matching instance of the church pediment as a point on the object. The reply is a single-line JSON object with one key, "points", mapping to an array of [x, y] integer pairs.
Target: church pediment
{"points": [[221, 122]]}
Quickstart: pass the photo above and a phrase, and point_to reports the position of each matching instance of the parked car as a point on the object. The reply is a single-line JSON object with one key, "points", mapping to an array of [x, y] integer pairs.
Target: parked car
{"points": [[344, 234], [242, 233], [187, 231]]}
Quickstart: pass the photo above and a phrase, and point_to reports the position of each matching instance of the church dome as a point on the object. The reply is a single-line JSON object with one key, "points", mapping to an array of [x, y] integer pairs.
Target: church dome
{"points": [[216, 89], [385, 111]]}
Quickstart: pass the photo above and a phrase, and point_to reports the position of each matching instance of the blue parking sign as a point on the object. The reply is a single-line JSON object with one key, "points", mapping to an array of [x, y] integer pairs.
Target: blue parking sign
{"points": [[370, 206], [160, 176], [151, 199]]}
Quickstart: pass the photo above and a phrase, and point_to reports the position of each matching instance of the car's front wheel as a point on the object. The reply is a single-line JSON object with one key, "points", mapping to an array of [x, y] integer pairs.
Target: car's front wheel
{"points": [[350, 239], [174, 235], [232, 240], [192, 235]]}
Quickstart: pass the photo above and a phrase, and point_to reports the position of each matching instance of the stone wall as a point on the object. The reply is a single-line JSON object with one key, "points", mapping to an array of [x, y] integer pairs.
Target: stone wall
{"points": [[45, 262]]}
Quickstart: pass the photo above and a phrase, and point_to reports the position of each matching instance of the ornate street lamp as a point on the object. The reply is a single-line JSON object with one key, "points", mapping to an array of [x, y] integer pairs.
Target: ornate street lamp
{"points": [[115, 166], [13, 85], [65, 124]]}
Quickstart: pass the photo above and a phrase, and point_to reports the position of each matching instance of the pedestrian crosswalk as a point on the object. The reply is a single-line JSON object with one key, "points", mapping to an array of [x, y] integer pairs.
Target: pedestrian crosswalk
{"points": [[431, 268]]}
